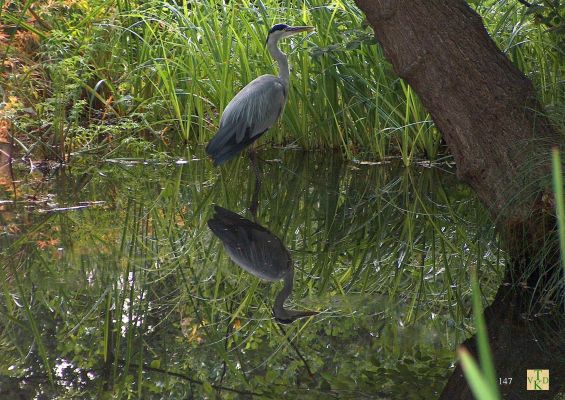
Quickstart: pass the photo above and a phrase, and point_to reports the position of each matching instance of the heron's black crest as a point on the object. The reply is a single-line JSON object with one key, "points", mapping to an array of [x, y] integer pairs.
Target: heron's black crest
{"points": [[278, 27]]}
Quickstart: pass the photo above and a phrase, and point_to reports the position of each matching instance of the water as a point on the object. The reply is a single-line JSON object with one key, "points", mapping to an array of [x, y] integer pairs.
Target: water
{"points": [[115, 286]]}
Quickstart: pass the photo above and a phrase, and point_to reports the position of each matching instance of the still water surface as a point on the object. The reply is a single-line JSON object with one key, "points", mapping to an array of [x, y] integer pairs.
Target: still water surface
{"points": [[114, 285]]}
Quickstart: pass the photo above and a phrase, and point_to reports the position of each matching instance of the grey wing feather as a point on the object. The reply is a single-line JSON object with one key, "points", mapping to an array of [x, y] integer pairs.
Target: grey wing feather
{"points": [[250, 113], [250, 245], [255, 108]]}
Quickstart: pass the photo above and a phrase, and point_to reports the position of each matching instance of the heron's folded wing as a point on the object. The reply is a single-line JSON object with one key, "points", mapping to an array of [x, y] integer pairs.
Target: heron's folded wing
{"points": [[254, 109]]}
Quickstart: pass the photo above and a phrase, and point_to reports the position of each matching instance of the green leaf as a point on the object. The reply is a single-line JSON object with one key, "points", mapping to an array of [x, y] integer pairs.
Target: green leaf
{"points": [[208, 389], [479, 384]]}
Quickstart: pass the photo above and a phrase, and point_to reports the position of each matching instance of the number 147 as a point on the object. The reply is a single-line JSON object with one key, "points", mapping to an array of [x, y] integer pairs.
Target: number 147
{"points": [[504, 381]]}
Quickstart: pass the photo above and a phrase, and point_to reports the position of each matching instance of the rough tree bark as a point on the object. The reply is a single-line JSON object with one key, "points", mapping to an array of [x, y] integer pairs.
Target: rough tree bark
{"points": [[485, 108], [488, 114]]}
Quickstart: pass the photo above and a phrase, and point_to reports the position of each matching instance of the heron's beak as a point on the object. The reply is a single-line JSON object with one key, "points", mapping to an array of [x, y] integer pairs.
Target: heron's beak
{"points": [[292, 30]]}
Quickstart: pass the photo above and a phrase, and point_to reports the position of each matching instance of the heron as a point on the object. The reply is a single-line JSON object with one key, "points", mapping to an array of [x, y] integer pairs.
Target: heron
{"points": [[259, 252], [257, 106]]}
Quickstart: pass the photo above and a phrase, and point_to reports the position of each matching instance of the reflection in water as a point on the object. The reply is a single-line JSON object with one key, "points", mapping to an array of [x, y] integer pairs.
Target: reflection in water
{"points": [[260, 253], [130, 298]]}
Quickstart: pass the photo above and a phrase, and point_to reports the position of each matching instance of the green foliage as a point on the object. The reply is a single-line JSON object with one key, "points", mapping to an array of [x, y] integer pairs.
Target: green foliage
{"points": [[172, 67], [550, 13], [481, 387]]}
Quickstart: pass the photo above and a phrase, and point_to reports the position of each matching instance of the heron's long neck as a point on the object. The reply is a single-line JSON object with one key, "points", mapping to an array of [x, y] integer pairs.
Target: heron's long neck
{"points": [[282, 60], [278, 307]]}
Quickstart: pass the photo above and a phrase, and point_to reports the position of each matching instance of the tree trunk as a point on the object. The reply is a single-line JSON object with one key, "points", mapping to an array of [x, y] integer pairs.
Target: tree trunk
{"points": [[488, 114], [484, 107]]}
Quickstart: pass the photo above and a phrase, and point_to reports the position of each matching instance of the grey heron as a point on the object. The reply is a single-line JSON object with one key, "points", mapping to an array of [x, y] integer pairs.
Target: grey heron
{"points": [[259, 252], [257, 106]]}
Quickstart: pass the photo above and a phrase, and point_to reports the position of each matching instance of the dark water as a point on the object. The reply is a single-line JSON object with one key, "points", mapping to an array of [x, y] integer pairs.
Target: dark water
{"points": [[114, 286]]}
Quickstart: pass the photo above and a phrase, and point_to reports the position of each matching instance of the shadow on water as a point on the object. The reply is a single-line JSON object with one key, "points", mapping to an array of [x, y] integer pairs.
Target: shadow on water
{"points": [[114, 285]]}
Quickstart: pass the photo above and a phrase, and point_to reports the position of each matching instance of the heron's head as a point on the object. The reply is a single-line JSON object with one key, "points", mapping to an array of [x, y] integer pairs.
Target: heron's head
{"points": [[280, 31], [289, 316]]}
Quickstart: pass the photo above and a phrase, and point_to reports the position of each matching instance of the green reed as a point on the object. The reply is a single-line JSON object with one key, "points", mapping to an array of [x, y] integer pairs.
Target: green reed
{"points": [[177, 65], [482, 380], [559, 200]]}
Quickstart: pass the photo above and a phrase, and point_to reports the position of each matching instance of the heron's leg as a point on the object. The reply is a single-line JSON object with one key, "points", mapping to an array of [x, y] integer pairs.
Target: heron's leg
{"points": [[257, 171], [252, 150]]}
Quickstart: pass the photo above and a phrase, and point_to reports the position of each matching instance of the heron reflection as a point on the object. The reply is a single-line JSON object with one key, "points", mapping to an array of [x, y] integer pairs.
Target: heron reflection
{"points": [[260, 253]]}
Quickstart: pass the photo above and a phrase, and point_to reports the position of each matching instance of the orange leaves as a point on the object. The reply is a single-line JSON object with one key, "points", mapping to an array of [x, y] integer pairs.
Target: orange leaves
{"points": [[11, 103], [6, 182], [5, 124], [43, 244], [21, 43], [13, 229], [190, 330], [4, 130], [4, 37], [26, 41]]}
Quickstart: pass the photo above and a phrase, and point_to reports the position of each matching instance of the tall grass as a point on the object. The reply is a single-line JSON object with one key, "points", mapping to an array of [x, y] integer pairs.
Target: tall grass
{"points": [[174, 66]]}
